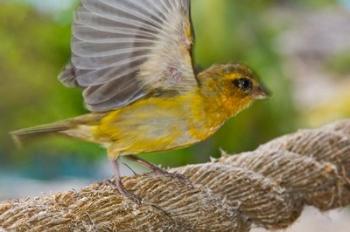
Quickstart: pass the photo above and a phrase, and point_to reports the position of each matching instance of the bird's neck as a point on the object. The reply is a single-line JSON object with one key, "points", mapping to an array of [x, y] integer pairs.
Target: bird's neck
{"points": [[220, 106]]}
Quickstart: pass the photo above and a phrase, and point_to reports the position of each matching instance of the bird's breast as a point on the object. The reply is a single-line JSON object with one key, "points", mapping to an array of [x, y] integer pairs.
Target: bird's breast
{"points": [[157, 124]]}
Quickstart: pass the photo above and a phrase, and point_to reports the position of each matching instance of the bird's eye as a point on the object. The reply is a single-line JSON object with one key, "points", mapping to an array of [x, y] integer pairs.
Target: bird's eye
{"points": [[243, 84]]}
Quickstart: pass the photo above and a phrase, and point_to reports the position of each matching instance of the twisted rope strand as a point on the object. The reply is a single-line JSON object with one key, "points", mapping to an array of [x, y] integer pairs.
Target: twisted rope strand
{"points": [[267, 187]]}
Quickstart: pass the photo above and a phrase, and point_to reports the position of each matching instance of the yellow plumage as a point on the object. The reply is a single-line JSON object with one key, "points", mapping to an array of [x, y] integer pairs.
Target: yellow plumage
{"points": [[168, 122]]}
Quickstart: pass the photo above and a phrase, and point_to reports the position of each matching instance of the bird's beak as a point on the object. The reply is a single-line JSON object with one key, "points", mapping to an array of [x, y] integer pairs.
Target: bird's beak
{"points": [[261, 93]]}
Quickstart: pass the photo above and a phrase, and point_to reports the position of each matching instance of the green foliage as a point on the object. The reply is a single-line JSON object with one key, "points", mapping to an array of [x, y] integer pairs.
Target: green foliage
{"points": [[316, 3], [340, 63], [34, 48]]}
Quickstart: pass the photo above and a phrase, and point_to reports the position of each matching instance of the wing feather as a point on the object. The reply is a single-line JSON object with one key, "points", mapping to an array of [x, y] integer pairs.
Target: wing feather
{"points": [[122, 50], [102, 76]]}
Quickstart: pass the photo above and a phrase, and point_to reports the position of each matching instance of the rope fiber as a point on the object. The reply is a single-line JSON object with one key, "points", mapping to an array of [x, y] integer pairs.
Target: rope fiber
{"points": [[268, 188]]}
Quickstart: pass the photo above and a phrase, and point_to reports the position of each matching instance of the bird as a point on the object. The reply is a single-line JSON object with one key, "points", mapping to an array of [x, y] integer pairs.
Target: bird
{"points": [[133, 61]]}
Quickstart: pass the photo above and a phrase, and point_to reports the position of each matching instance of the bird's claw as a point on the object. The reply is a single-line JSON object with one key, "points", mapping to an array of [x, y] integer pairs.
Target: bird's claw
{"points": [[118, 186]]}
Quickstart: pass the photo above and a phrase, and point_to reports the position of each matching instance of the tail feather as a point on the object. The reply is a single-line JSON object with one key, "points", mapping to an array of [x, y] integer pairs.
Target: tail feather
{"points": [[23, 135], [78, 127]]}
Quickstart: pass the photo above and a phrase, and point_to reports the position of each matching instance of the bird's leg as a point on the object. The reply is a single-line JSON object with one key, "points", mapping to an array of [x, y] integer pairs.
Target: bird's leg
{"points": [[154, 168], [118, 184]]}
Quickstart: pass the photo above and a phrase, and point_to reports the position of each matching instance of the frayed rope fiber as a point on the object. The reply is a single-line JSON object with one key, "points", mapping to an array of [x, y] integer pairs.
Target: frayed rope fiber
{"points": [[268, 187]]}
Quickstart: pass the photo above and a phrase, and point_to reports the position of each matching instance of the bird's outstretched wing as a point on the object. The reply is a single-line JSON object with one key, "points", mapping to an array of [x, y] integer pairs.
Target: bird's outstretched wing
{"points": [[123, 50]]}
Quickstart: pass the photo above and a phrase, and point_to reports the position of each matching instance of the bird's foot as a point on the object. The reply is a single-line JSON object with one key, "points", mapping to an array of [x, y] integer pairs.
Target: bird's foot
{"points": [[118, 186], [157, 170]]}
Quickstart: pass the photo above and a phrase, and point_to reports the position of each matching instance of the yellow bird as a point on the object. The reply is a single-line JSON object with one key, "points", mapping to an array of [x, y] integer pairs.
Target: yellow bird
{"points": [[133, 61]]}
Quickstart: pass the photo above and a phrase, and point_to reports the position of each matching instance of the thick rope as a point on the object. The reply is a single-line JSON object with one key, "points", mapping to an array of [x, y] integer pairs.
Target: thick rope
{"points": [[268, 187]]}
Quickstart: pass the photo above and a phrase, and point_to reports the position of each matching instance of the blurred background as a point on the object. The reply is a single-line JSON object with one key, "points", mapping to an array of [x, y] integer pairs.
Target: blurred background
{"points": [[300, 48]]}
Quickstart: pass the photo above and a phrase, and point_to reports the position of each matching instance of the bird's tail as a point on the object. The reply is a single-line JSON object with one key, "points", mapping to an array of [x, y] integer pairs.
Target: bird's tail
{"points": [[24, 135], [79, 127]]}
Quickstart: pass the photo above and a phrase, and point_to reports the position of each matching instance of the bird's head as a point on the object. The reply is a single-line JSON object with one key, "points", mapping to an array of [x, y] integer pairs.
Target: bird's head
{"points": [[235, 86]]}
